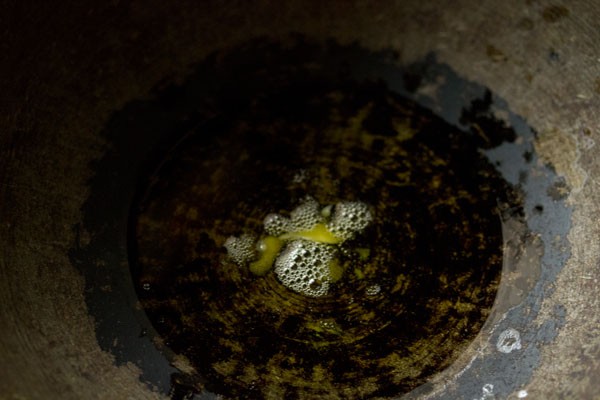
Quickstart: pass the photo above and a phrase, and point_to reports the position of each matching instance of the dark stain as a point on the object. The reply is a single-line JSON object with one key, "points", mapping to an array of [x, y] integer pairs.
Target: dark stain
{"points": [[380, 119], [555, 13], [553, 56], [412, 81], [525, 24], [528, 156], [538, 209], [495, 54], [529, 77], [597, 85], [488, 131], [183, 387], [559, 190], [523, 177]]}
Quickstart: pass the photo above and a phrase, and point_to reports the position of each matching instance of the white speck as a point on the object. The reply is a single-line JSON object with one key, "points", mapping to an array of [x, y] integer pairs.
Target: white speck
{"points": [[373, 290], [508, 341], [300, 176], [522, 394], [488, 388], [585, 142], [146, 286], [261, 246], [487, 392]]}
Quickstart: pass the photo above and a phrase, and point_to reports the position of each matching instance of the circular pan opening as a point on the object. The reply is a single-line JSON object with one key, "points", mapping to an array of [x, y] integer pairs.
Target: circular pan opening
{"points": [[417, 284]]}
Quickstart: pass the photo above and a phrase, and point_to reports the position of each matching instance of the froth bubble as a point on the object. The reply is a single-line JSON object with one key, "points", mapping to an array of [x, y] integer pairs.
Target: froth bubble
{"points": [[276, 224], [240, 249], [349, 218], [304, 267], [306, 215], [304, 247]]}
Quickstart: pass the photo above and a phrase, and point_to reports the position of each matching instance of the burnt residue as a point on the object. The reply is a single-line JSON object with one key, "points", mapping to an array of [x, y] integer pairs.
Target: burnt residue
{"points": [[412, 81], [553, 56], [525, 24], [555, 13], [596, 85], [488, 131], [435, 245], [495, 54], [559, 190]]}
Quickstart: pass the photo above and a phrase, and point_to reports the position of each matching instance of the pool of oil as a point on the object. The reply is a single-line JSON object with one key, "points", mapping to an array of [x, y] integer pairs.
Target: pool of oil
{"points": [[408, 302]]}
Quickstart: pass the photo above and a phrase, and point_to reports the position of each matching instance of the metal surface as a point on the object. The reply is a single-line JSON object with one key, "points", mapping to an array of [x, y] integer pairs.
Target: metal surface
{"points": [[65, 71]]}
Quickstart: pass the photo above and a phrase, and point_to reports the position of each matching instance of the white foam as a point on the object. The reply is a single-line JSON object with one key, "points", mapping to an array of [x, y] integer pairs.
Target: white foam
{"points": [[306, 215], [241, 250], [276, 225], [304, 267], [349, 218]]}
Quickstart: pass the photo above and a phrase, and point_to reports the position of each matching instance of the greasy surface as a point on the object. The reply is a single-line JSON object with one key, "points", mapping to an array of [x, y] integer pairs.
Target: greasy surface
{"points": [[64, 70], [434, 246]]}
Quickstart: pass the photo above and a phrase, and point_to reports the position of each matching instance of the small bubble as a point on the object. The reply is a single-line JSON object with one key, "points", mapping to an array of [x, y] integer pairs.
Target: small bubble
{"points": [[146, 286], [522, 394], [240, 250], [326, 211]]}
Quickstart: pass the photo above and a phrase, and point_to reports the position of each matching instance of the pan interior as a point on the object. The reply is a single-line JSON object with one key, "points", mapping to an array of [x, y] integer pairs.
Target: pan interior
{"points": [[415, 286]]}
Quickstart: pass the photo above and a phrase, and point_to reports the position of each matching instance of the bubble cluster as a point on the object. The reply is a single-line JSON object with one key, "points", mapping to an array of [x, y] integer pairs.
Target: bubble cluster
{"points": [[306, 215], [304, 267], [276, 225], [240, 249], [349, 218], [304, 246]]}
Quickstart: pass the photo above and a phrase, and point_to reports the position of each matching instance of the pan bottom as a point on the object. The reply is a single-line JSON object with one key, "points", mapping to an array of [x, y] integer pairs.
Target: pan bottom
{"points": [[411, 290]]}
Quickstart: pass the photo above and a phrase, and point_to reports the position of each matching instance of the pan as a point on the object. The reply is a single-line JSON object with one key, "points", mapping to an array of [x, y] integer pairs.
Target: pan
{"points": [[119, 117]]}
